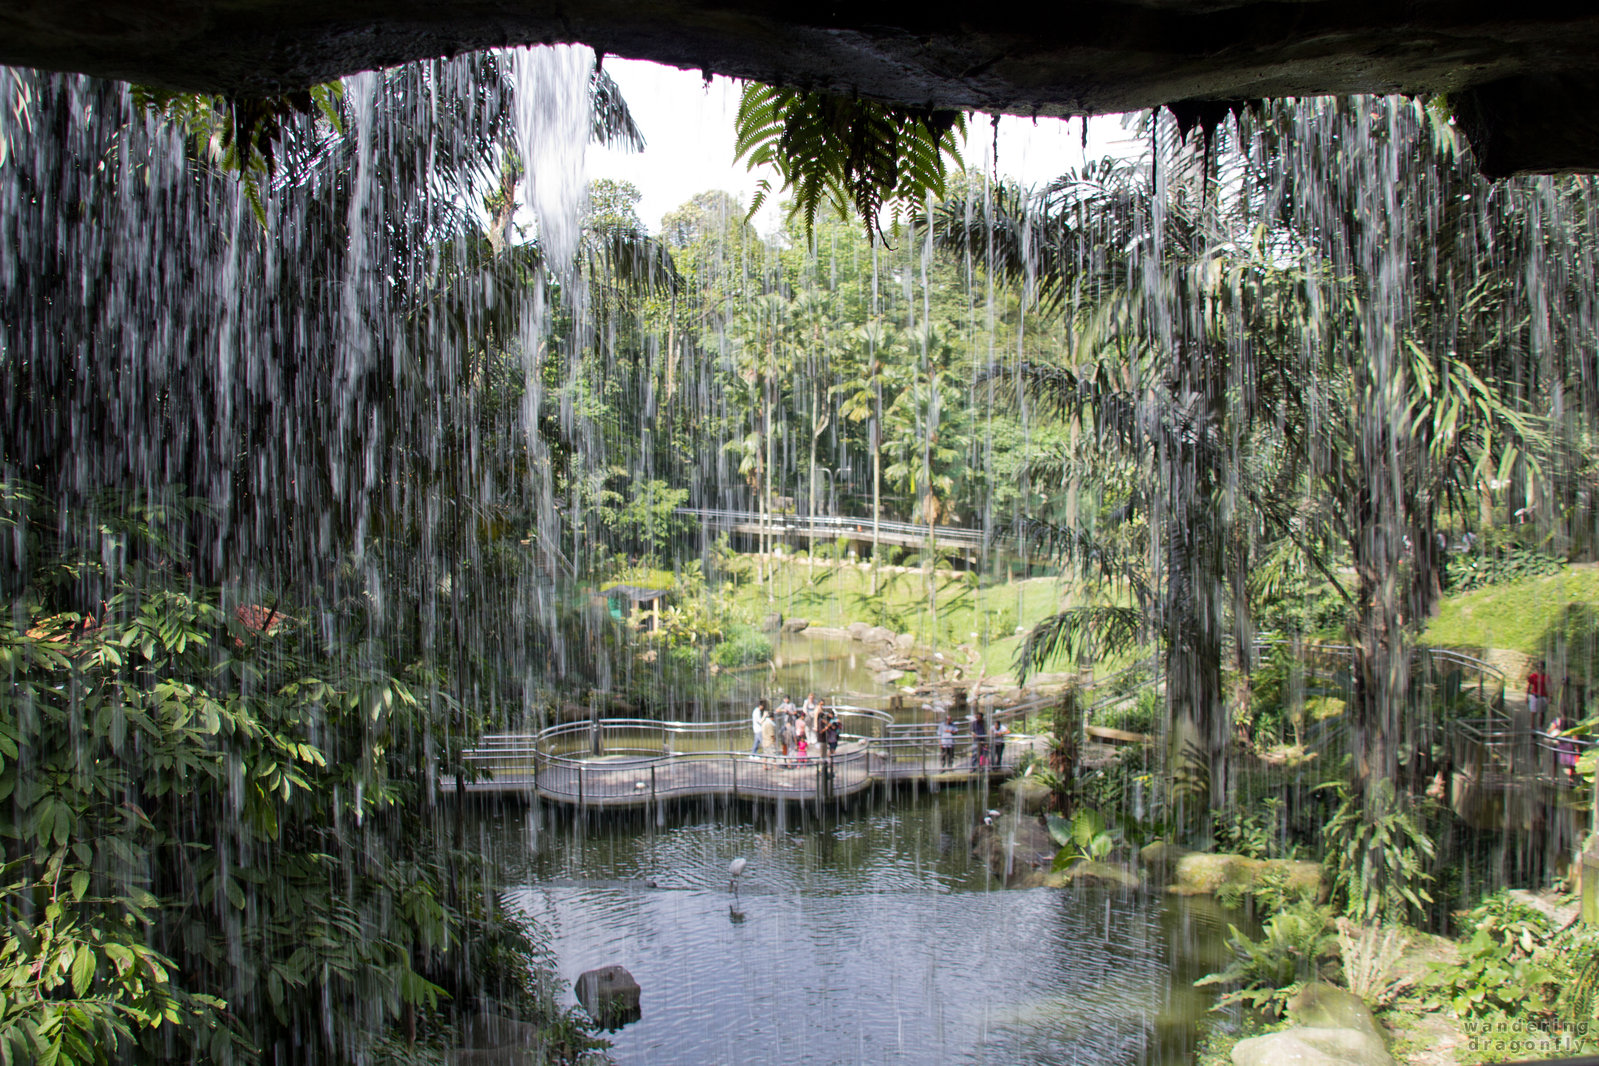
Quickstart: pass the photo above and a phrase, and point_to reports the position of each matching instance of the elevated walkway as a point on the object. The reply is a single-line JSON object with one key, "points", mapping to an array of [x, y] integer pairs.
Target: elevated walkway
{"points": [[628, 762]]}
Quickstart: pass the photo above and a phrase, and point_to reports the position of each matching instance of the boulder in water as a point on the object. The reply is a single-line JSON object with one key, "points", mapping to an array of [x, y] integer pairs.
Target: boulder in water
{"points": [[1028, 794], [772, 623], [796, 625], [1101, 874], [879, 635], [610, 995], [1160, 859], [1014, 848], [857, 630]]}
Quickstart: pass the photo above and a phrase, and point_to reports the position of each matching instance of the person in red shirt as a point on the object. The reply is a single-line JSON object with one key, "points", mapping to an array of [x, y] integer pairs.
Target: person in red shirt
{"points": [[1537, 692]]}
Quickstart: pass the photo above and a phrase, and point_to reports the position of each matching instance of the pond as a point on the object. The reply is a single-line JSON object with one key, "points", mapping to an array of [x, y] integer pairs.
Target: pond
{"points": [[870, 937], [801, 663]]}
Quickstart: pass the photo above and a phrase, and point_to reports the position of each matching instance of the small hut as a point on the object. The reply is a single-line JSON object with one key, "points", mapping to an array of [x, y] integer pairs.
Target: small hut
{"points": [[626, 601]]}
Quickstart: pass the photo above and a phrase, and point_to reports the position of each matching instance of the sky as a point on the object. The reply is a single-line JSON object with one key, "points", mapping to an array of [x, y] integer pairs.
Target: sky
{"points": [[688, 129]]}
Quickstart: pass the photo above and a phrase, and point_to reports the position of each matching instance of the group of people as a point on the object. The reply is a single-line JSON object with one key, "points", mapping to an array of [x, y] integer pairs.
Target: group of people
{"points": [[1539, 684], [794, 734], [988, 744]]}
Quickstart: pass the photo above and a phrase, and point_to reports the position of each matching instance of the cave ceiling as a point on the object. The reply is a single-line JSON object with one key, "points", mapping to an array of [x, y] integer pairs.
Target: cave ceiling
{"points": [[1523, 78]]}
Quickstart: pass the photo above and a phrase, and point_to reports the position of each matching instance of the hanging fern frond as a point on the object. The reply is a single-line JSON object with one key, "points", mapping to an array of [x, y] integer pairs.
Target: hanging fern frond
{"points": [[852, 154]]}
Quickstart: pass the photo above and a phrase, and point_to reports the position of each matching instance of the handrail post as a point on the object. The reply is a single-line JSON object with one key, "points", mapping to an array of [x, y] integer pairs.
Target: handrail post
{"points": [[652, 782]]}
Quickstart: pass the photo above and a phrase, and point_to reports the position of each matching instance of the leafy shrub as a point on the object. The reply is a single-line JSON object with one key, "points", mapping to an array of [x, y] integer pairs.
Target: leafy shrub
{"points": [[1497, 970], [1266, 973], [1268, 893], [1255, 832], [1086, 836], [744, 646], [1468, 572], [1379, 854], [1142, 715]]}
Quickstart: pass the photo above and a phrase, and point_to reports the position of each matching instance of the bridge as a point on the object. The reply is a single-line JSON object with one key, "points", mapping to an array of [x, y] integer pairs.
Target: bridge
{"points": [[630, 762], [812, 528]]}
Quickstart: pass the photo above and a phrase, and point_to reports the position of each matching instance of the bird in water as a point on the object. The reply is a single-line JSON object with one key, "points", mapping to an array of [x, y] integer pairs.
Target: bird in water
{"points": [[735, 868]]}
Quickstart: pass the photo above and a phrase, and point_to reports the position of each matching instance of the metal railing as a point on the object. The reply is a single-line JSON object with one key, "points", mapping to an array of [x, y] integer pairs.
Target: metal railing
{"points": [[1497, 746], [631, 760]]}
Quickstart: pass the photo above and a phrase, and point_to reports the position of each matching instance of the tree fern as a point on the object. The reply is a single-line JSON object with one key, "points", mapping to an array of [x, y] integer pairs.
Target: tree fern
{"points": [[852, 154]]}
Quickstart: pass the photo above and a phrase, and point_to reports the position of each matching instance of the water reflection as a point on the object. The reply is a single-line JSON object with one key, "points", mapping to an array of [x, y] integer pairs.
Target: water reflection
{"points": [[873, 938]]}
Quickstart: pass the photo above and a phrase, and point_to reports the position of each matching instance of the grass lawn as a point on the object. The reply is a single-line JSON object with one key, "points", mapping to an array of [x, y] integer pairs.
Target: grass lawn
{"points": [[838, 594], [1555, 617]]}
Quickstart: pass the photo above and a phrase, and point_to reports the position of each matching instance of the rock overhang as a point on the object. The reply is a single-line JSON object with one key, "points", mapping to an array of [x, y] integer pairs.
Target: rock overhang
{"points": [[1523, 78]]}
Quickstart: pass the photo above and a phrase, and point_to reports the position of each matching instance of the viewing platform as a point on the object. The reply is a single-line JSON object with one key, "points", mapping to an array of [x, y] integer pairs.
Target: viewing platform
{"points": [[627, 762]]}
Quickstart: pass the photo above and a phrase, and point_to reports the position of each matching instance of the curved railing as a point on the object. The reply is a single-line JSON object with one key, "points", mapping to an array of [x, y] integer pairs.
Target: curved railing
{"points": [[613, 761]]}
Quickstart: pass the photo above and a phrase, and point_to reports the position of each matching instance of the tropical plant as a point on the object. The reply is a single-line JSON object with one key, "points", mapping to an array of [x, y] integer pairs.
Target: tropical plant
{"points": [[1499, 969], [1369, 954], [1084, 837], [854, 154], [221, 843], [1265, 973], [1380, 857], [743, 646]]}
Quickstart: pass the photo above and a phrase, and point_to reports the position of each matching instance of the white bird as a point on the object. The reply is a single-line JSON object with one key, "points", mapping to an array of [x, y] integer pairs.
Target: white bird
{"points": [[993, 814], [735, 868]]}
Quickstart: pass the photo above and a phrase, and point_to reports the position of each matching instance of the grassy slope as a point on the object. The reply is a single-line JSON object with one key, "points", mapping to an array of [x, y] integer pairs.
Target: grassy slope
{"points": [[1556, 617], [838, 595]]}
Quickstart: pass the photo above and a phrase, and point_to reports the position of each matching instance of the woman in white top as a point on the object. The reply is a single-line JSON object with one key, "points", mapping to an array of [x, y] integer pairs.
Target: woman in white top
{"points": [[757, 716]]}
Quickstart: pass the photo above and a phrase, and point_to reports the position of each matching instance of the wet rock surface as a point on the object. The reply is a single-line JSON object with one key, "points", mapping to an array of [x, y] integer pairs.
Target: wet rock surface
{"points": [[610, 995], [1332, 1026], [1522, 80]]}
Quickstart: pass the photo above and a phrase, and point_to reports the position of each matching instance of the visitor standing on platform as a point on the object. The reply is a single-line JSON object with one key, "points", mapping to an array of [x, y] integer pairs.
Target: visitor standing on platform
{"points": [[979, 742], [829, 731], [946, 744], [1000, 732], [768, 734], [757, 717], [1537, 693]]}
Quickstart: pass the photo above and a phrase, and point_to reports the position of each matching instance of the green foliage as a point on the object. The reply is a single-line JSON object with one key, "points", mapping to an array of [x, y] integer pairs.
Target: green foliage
{"points": [[1255, 831], [1270, 892], [851, 153], [1266, 973], [1142, 714], [641, 517], [1115, 785], [1498, 970], [1468, 572], [744, 646], [1576, 964], [1085, 837], [241, 134], [1380, 855], [217, 843]]}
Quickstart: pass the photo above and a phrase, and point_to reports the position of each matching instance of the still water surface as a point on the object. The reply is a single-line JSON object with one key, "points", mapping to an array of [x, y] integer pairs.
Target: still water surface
{"points": [[870, 937]]}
